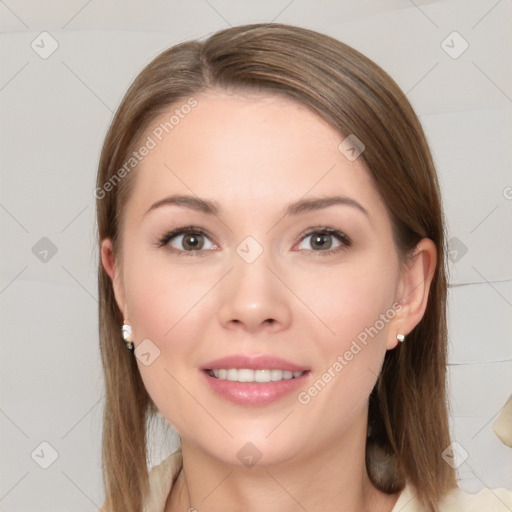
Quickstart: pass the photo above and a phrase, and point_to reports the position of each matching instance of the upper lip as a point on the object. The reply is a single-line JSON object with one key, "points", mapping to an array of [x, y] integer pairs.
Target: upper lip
{"points": [[256, 362]]}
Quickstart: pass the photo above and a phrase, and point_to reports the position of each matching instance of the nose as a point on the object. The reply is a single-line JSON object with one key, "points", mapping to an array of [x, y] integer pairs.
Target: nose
{"points": [[254, 299]]}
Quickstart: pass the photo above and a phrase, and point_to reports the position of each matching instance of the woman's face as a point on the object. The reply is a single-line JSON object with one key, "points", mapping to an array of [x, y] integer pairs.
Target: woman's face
{"points": [[270, 274]]}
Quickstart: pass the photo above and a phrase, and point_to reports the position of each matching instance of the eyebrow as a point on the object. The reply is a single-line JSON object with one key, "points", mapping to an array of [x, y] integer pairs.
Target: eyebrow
{"points": [[296, 208]]}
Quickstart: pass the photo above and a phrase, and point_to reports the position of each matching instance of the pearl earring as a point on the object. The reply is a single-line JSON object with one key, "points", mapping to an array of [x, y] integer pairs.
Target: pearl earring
{"points": [[400, 338], [127, 336]]}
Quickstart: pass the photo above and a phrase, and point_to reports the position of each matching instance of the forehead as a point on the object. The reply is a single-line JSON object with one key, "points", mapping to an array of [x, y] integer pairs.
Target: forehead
{"points": [[245, 150]]}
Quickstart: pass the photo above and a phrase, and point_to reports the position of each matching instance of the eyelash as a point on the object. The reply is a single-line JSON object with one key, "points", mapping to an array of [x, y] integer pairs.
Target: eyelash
{"points": [[341, 237]]}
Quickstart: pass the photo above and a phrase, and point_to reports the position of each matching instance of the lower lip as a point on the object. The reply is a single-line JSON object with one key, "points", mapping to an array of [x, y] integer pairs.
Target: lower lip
{"points": [[254, 393]]}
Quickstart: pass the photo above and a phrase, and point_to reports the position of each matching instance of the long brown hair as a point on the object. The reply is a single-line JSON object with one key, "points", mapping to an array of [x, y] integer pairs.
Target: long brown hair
{"points": [[407, 409]]}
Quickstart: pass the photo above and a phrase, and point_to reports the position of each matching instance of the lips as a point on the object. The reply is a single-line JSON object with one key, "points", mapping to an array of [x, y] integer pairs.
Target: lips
{"points": [[243, 379], [256, 362]]}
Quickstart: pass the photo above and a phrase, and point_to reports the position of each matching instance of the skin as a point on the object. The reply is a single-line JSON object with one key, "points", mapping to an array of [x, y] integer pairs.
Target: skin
{"points": [[254, 154]]}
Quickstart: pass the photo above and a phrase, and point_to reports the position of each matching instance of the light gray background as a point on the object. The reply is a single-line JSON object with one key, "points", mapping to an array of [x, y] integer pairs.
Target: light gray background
{"points": [[55, 113]]}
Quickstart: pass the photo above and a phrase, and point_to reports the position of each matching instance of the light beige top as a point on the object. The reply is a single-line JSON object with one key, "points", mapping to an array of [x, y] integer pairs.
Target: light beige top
{"points": [[495, 500]]}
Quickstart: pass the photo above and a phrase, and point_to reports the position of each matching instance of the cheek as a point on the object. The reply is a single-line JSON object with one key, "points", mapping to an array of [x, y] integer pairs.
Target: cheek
{"points": [[169, 309], [355, 306], [351, 299], [162, 296]]}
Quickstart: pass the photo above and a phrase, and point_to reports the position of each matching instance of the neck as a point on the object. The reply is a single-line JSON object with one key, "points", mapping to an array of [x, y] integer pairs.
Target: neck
{"points": [[330, 479]]}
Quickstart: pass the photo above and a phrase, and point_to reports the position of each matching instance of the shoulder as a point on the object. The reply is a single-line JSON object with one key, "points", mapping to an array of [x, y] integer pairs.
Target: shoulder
{"points": [[487, 500], [161, 478], [457, 500]]}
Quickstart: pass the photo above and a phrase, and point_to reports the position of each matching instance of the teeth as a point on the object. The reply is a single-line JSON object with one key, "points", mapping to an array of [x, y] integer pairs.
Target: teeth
{"points": [[247, 375]]}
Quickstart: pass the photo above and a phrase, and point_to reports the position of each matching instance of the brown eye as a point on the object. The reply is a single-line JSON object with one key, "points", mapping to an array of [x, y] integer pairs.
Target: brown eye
{"points": [[186, 240], [321, 241], [325, 240], [192, 241]]}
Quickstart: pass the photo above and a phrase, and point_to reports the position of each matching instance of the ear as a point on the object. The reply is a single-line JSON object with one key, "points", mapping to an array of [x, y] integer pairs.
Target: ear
{"points": [[112, 269], [413, 290]]}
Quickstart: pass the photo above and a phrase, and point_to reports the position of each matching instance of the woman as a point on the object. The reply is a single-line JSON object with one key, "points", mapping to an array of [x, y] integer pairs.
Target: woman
{"points": [[272, 251]]}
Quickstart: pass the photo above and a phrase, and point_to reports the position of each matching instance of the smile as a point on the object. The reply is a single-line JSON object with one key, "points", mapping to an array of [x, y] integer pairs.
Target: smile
{"points": [[255, 388], [248, 375]]}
